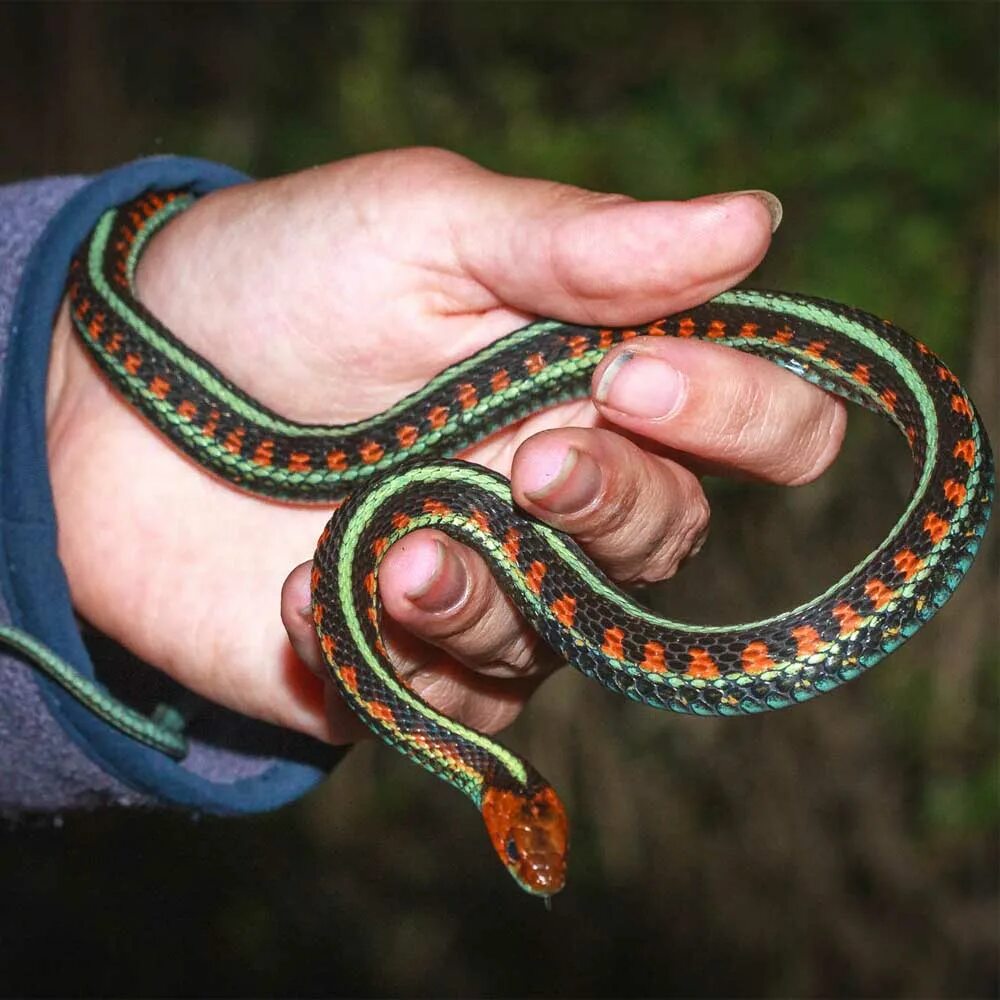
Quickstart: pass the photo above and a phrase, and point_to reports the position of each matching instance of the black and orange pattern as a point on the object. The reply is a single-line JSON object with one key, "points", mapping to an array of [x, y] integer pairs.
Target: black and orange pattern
{"points": [[395, 457]]}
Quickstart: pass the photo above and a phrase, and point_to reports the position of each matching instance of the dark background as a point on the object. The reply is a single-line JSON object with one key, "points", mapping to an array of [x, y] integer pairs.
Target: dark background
{"points": [[847, 848]]}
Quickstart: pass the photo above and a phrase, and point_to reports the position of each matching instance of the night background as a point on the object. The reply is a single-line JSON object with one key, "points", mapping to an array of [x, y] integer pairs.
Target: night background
{"points": [[846, 848]]}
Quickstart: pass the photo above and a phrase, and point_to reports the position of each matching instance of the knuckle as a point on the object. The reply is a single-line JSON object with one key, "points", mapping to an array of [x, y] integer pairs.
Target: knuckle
{"points": [[486, 633], [819, 445], [516, 656], [432, 158], [678, 538], [785, 435], [619, 511], [746, 419]]}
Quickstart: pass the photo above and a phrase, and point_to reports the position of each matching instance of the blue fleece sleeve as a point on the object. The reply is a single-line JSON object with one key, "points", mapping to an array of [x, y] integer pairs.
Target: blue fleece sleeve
{"points": [[54, 754]]}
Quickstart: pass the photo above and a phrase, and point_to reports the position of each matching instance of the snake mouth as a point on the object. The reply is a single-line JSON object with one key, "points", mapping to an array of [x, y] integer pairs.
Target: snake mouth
{"points": [[529, 832]]}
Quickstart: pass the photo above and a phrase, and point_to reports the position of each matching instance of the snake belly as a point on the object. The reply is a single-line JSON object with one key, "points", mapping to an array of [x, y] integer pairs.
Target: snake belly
{"points": [[394, 471]]}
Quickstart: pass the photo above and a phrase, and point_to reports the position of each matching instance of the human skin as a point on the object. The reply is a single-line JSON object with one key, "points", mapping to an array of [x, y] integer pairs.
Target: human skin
{"points": [[330, 294]]}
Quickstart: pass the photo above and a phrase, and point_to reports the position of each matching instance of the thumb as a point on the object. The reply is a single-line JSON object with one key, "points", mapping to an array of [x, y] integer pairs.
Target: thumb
{"points": [[576, 255]]}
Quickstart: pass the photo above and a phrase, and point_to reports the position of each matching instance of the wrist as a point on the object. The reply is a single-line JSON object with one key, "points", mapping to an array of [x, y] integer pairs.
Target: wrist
{"points": [[63, 369]]}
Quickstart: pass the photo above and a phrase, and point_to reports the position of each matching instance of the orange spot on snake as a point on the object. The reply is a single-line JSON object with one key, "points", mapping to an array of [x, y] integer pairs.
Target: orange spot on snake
{"points": [[965, 449], [879, 594], [132, 363], [349, 678], [212, 424], [314, 577], [379, 710], [783, 336], [371, 452], [577, 345], [500, 380], [299, 461], [954, 492], [605, 338], [656, 329], [652, 658], [407, 435], [849, 619], [467, 395], [533, 578], [328, 646], [264, 453], [370, 584], [336, 461], [807, 640], [816, 348], [700, 664], [187, 410], [114, 344], [379, 546], [936, 527], [889, 397], [400, 521], [685, 327], [317, 615], [749, 330], [512, 543], [755, 658], [437, 417], [907, 563], [534, 363], [862, 374], [716, 329], [481, 521], [613, 642], [564, 608], [432, 506], [159, 387], [234, 440], [960, 405]]}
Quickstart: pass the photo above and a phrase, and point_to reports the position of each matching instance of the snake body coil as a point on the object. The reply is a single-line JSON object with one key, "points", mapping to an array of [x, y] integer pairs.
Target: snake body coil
{"points": [[390, 468]]}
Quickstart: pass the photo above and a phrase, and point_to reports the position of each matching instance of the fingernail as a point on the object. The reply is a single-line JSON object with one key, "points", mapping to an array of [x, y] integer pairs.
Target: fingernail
{"points": [[768, 200], [642, 385], [568, 488], [444, 582]]}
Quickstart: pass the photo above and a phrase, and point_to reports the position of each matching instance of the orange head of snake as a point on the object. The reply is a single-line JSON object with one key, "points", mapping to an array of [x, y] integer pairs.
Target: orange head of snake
{"points": [[530, 835]]}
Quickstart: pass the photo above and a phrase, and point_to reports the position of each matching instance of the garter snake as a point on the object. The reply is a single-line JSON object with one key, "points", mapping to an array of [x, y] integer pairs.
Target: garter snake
{"points": [[394, 472]]}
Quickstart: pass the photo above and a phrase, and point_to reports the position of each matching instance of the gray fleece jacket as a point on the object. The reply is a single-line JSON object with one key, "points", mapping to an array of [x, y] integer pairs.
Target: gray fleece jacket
{"points": [[54, 753]]}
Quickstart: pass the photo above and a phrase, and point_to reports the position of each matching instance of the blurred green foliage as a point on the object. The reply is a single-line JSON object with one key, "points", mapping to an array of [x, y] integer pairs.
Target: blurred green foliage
{"points": [[850, 849]]}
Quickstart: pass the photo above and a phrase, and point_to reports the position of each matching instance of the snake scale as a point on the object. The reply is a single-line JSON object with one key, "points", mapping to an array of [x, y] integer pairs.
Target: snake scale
{"points": [[394, 471]]}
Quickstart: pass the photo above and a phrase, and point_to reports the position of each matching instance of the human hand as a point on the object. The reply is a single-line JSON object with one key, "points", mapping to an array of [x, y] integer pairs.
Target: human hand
{"points": [[330, 294]]}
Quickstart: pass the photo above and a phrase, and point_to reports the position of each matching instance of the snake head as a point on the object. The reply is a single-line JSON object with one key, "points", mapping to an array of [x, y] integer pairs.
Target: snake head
{"points": [[529, 832]]}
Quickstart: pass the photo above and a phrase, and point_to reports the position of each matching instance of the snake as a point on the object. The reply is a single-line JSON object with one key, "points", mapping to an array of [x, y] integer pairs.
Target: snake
{"points": [[395, 473]]}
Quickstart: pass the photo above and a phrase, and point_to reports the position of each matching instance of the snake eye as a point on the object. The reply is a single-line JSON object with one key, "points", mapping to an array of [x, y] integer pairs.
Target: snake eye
{"points": [[513, 853]]}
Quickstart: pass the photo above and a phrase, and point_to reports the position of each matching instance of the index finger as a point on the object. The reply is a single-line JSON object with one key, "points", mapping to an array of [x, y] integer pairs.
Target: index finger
{"points": [[731, 411]]}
